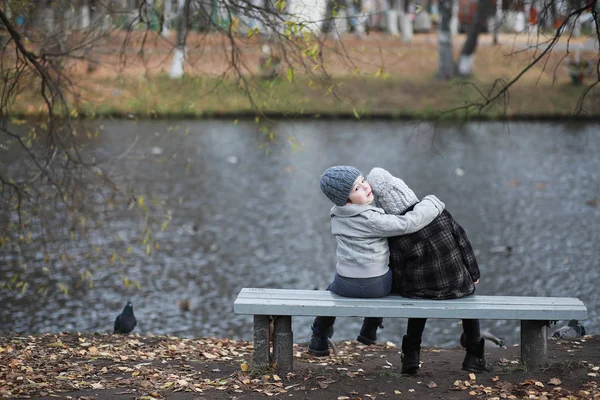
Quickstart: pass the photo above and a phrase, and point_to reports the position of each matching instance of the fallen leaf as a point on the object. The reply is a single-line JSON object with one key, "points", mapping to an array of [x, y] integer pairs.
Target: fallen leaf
{"points": [[539, 384], [431, 385], [244, 367], [472, 376]]}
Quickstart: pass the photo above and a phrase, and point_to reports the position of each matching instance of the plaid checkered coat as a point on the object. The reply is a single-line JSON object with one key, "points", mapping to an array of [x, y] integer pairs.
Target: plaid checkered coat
{"points": [[436, 262]]}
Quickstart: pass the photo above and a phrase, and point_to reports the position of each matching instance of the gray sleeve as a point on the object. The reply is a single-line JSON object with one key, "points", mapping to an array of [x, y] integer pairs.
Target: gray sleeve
{"points": [[387, 225]]}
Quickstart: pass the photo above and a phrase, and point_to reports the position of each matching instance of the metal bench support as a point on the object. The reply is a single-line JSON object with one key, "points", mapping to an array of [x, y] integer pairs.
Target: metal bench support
{"points": [[534, 347]]}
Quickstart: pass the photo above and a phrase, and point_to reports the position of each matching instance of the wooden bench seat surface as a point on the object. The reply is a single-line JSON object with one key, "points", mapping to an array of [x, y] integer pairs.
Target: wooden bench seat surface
{"points": [[260, 301]]}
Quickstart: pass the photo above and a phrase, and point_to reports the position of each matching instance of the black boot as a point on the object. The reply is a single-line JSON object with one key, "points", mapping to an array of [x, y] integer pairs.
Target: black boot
{"points": [[322, 329], [474, 359], [410, 355], [368, 331]]}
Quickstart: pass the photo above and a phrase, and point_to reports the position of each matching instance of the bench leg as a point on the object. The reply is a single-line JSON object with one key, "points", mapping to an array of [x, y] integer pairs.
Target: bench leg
{"points": [[534, 347], [260, 359], [283, 340]]}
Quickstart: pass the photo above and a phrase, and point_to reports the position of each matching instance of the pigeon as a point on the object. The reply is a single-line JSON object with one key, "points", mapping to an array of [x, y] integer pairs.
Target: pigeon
{"points": [[487, 335], [125, 322], [573, 330]]}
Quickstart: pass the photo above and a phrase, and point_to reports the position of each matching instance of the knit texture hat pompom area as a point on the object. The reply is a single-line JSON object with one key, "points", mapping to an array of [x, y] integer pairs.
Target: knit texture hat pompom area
{"points": [[391, 193], [336, 183]]}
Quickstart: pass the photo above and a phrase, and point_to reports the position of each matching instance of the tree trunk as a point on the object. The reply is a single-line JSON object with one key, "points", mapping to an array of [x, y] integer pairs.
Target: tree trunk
{"points": [[454, 19], [392, 18], [446, 63], [151, 16], [406, 25], [49, 20], [339, 24], [465, 60], [526, 13], [166, 30], [6, 8], [361, 19], [498, 22], [179, 53], [85, 14]]}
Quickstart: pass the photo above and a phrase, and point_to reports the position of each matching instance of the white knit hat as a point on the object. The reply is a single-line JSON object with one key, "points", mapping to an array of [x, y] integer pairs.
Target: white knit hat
{"points": [[391, 193]]}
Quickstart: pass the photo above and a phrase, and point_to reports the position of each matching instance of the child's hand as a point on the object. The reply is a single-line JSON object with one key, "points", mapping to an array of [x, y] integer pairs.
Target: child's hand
{"points": [[476, 282], [436, 202]]}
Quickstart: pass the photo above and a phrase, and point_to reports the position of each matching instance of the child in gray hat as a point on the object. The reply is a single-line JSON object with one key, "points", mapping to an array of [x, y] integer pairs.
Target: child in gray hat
{"points": [[361, 231]]}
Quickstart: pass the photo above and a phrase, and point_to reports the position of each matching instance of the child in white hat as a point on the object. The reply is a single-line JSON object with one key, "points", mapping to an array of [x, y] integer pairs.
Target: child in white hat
{"points": [[437, 262]]}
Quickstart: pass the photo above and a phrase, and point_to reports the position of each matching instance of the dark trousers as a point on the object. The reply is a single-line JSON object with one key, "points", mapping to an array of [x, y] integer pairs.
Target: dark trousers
{"points": [[322, 325], [416, 326], [379, 286]]}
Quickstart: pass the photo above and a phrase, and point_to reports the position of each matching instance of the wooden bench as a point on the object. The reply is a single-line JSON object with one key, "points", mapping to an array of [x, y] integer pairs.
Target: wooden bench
{"points": [[535, 313]]}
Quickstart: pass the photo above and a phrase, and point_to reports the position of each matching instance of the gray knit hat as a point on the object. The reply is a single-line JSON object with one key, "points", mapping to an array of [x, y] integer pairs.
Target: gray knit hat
{"points": [[336, 183]]}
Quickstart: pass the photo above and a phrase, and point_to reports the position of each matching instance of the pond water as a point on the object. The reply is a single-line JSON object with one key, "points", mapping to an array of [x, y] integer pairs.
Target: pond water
{"points": [[244, 218]]}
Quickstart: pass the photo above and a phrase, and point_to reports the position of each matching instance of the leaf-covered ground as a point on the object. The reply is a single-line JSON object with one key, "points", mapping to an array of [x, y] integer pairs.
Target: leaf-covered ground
{"points": [[104, 366]]}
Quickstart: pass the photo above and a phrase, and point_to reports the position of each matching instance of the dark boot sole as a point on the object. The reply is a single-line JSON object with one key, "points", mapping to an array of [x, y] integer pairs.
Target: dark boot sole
{"points": [[365, 340], [319, 353], [477, 370], [410, 370]]}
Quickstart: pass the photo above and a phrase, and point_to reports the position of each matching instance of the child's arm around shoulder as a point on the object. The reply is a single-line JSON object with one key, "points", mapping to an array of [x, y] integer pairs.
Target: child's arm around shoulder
{"points": [[387, 225]]}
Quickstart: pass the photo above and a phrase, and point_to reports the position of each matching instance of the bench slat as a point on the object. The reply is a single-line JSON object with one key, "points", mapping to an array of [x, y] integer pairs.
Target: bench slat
{"points": [[256, 301], [291, 294]]}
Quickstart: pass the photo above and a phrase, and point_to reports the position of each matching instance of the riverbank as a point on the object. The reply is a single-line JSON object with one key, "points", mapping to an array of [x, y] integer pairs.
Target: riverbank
{"points": [[376, 77], [104, 366]]}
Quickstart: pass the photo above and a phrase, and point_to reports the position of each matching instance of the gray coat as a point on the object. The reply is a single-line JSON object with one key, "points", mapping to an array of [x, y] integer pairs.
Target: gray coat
{"points": [[361, 232]]}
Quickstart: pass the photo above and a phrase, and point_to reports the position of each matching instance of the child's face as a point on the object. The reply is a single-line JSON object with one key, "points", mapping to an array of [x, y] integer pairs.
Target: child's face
{"points": [[361, 192]]}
